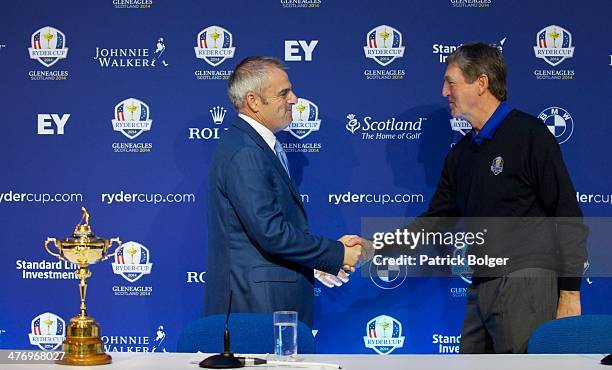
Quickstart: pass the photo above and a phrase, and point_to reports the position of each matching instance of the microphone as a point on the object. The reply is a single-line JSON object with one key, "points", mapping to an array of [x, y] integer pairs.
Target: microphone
{"points": [[226, 359]]}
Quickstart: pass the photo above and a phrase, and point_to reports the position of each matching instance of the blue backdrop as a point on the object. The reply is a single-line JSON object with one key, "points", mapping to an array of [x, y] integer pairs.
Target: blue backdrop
{"points": [[116, 105]]}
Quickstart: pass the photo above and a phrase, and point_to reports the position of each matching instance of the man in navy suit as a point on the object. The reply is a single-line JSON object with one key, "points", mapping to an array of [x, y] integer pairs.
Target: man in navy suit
{"points": [[259, 245]]}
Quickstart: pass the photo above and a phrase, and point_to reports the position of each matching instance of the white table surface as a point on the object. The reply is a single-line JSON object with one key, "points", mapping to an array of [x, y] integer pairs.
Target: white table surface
{"points": [[172, 361]]}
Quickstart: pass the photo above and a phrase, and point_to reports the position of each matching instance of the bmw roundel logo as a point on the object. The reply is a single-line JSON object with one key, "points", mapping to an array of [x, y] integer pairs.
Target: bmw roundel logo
{"points": [[559, 122]]}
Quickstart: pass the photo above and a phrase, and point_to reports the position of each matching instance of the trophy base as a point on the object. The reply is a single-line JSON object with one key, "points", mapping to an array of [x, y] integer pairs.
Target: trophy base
{"points": [[83, 346], [88, 360]]}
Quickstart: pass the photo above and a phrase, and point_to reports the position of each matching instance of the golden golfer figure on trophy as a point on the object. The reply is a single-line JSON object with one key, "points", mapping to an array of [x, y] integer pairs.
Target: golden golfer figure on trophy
{"points": [[83, 345]]}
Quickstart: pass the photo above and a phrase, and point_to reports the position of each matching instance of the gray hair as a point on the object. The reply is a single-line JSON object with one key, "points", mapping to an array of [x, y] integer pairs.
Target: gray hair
{"points": [[250, 75], [477, 59]]}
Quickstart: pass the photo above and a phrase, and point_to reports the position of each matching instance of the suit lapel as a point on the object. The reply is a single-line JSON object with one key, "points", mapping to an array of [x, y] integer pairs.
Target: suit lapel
{"points": [[240, 124]]}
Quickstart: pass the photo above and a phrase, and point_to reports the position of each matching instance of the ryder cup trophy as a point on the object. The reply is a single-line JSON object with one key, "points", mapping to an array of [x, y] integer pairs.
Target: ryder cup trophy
{"points": [[83, 345]]}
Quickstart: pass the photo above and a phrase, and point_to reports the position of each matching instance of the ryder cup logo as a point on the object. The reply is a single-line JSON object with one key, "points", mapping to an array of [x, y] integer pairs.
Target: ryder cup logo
{"points": [[463, 271], [559, 122], [497, 166], [384, 335], [460, 125], [132, 261], [384, 44], [305, 119], [132, 118], [553, 44], [387, 276], [48, 46], [48, 331], [214, 45]]}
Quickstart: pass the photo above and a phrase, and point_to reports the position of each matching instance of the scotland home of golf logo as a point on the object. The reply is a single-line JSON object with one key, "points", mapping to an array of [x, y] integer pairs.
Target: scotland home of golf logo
{"points": [[390, 129], [559, 122], [48, 46], [47, 331], [383, 334], [210, 133], [554, 45]]}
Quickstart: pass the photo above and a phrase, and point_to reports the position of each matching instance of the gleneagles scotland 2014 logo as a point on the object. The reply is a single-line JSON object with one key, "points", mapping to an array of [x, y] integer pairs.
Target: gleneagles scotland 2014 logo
{"points": [[214, 45], [48, 46], [132, 118], [554, 45], [383, 334], [132, 261], [384, 45], [47, 331], [305, 119]]}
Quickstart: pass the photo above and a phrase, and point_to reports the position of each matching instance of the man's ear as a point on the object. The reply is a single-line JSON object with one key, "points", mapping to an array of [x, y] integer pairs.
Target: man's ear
{"points": [[483, 83], [252, 101]]}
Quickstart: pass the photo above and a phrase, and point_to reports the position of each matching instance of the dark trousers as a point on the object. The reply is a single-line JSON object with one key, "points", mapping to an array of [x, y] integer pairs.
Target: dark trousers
{"points": [[503, 312]]}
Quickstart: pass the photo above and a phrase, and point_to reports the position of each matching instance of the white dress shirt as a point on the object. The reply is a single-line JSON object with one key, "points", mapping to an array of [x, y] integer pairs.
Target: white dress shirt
{"points": [[262, 130]]}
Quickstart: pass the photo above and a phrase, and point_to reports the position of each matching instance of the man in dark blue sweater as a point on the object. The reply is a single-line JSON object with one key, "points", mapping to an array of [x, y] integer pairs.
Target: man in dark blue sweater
{"points": [[509, 166], [506, 176]]}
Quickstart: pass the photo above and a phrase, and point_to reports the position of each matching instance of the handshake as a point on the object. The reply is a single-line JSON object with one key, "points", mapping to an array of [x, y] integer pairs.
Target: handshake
{"points": [[357, 251]]}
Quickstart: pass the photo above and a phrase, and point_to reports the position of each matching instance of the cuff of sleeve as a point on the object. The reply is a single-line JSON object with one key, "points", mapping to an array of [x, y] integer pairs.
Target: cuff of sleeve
{"points": [[569, 283], [333, 258]]}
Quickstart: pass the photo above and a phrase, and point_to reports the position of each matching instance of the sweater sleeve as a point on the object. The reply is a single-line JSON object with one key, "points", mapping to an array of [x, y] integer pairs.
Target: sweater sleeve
{"points": [[556, 193]]}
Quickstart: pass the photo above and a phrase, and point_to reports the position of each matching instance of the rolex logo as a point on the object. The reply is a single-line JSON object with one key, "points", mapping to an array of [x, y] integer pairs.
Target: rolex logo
{"points": [[218, 114]]}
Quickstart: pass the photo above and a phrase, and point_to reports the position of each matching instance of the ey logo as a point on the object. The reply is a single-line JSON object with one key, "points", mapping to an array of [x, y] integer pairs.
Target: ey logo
{"points": [[52, 124], [294, 49]]}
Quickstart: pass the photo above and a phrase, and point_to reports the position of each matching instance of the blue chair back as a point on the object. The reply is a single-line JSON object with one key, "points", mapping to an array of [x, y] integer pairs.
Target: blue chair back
{"points": [[249, 333], [578, 334]]}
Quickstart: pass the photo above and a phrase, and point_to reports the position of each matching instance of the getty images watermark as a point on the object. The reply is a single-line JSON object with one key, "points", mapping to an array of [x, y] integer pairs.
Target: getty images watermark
{"points": [[488, 246]]}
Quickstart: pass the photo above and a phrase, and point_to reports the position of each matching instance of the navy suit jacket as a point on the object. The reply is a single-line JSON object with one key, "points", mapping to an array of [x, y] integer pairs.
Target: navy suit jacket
{"points": [[259, 245]]}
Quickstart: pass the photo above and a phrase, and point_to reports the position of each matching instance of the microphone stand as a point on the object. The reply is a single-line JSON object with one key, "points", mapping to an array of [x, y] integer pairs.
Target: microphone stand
{"points": [[226, 359]]}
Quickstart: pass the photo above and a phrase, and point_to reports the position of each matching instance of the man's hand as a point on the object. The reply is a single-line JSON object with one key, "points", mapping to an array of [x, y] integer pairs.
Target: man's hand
{"points": [[569, 304], [352, 252], [367, 248], [330, 280]]}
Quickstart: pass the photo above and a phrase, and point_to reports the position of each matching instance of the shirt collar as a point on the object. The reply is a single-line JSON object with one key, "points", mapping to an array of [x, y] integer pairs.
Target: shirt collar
{"points": [[488, 130], [262, 130]]}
